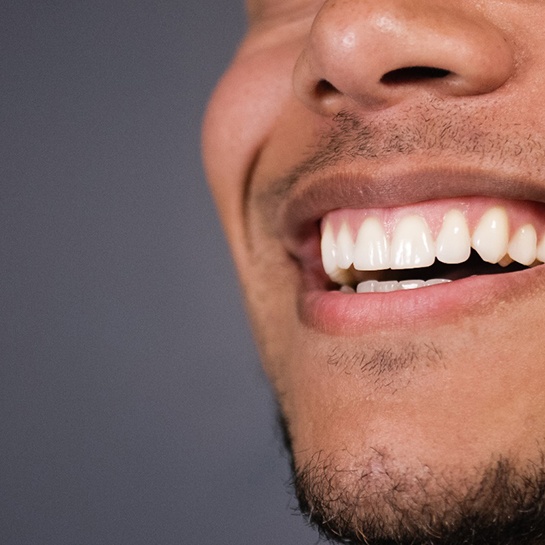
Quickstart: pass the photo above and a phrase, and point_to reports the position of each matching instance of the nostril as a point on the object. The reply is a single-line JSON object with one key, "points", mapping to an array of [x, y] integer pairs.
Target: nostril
{"points": [[324, 88], [413, 74]]}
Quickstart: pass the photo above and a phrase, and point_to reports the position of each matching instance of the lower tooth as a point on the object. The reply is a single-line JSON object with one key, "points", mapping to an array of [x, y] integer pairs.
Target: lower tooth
{"points": [[374, 286], [386, 287], [411, 284], [435, 281], [367, 286], [347, 289]]}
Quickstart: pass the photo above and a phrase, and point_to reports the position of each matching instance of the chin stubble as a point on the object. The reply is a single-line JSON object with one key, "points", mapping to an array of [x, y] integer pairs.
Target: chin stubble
{"points": [[378, 362], [375, 501]]}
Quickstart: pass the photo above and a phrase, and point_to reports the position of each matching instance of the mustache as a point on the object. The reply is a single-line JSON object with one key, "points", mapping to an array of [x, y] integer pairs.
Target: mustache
{"points": [[437, 129]]}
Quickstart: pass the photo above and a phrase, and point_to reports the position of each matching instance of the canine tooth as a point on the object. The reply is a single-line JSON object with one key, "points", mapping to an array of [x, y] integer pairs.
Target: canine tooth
{"points": [[541, 251], [345, 248], [412, 244], [411, 284], [329, 249], [491, 236], [453, 244], [523, 245], [371, 250]]}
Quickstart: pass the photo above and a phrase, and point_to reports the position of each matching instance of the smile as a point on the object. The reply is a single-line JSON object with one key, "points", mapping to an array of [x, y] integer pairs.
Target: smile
{"points": [[396, 248], [385, 250]]}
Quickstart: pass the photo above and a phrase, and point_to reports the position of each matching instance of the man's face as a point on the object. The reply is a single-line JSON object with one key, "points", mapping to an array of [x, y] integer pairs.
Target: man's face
{"points": [[355, 147]]}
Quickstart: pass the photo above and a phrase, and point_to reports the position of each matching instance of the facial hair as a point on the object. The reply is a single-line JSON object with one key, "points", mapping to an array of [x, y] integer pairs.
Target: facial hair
{"points": [[370, 497], [380, 503]]}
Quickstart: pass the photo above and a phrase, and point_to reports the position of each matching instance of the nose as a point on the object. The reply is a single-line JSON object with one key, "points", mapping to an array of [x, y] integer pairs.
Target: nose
{"points": [[376, 53]]}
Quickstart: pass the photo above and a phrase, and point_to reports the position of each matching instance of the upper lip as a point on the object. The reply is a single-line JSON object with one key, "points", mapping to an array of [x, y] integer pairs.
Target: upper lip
{"points": [[310, 197]]}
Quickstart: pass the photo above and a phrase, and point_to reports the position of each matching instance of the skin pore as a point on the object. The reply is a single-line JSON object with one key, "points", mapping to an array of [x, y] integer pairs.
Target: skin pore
{"points": [[416, 416]]}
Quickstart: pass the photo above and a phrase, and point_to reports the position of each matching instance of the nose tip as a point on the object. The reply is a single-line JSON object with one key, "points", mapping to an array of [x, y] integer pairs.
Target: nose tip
{"points": [[376, 53]]}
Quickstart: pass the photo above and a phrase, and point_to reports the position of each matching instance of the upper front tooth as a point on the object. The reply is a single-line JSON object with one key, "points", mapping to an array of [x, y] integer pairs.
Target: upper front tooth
{"points": [[329, 249], [453, 244], [412, 244], [522, 247], [345, 247], [491, 237], [371, 252]]}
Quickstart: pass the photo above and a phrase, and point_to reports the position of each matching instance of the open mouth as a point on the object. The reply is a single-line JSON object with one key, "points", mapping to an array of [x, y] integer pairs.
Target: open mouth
{"points": [[388, 280], [370, 251]]}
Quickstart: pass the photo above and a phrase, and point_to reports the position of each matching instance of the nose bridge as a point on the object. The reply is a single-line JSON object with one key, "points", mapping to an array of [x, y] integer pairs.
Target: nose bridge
{"points": [[378, 52]]}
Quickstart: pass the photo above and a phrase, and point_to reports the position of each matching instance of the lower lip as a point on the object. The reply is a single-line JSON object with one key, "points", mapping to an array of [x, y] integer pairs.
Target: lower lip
{"points": [[336, 313]]}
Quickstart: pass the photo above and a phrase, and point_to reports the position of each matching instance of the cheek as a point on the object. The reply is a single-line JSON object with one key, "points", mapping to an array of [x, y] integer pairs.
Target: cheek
{"points": [[241, 114]]}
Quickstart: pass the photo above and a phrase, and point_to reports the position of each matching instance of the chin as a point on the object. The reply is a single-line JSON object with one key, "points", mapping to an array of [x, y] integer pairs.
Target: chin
{"points": [[365, 486]]}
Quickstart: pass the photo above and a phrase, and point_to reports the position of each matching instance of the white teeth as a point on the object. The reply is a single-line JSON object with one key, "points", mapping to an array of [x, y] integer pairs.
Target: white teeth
{"points": [[523, 245], [329, 249], [367, 286], [387, 286], [453, 244], [411, 284], [345, 248], [435, 281], [374, 286], [372, 251], [491, 236], [412, 244]]}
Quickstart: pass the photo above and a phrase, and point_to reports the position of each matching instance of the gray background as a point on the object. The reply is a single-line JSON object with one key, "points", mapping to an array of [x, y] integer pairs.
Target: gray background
{"points": [[132, 406]]}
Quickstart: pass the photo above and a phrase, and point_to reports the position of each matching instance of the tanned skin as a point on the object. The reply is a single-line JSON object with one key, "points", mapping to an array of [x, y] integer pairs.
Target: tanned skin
{"points": [[412, 416]]}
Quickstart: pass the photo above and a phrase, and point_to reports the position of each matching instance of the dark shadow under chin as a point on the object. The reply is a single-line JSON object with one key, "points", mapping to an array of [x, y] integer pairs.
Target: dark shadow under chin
{"points": [[506, 506]]}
